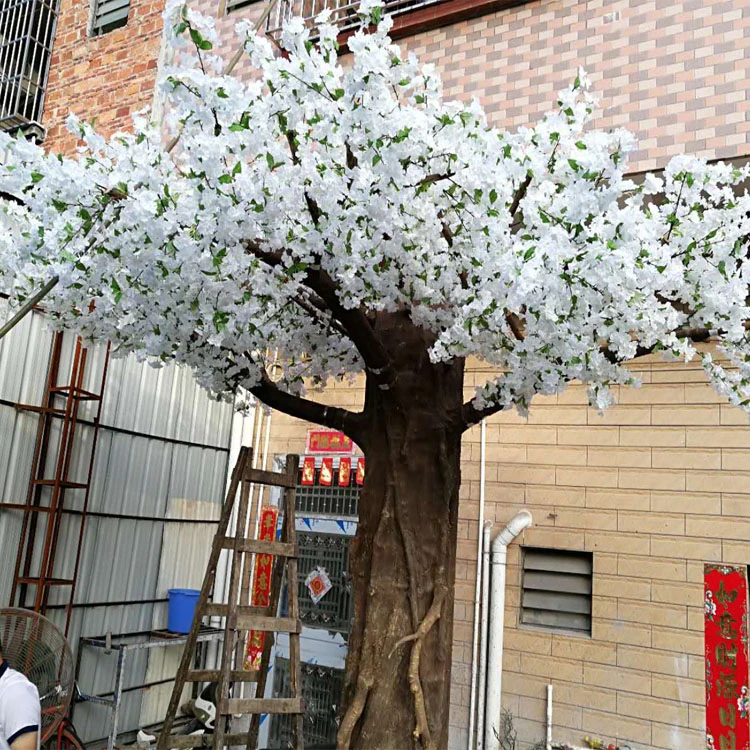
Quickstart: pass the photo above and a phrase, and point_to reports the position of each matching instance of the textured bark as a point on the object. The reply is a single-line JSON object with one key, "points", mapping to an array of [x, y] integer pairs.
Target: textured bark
{"points": [[403, 560]]}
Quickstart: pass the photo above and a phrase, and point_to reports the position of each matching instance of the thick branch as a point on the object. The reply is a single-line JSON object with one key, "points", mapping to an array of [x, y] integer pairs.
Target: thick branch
{"points": [[354, 321], [349, 422]]}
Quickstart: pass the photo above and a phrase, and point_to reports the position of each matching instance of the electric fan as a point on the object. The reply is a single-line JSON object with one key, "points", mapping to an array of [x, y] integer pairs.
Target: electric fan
{"points": [[34, 646]]}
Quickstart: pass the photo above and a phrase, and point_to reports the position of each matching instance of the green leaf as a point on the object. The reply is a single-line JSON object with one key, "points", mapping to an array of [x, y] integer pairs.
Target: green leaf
{"points": [[529, 254], [199, 41], [338, 94], [220, 320], [574, 165], [225, 179], [219, 257], [36, 177], [581, 145], [493, 195], [116, 291], [221, 93]]}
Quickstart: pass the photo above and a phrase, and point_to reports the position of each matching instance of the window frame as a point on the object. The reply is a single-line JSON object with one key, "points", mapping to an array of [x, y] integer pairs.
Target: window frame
{"points": [[93, 9]]}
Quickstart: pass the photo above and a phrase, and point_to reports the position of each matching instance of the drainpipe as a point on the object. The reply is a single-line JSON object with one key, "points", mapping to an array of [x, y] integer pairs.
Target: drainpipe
{"points": [[515, 526], [549, 717], [482, 688], [480, 568]]}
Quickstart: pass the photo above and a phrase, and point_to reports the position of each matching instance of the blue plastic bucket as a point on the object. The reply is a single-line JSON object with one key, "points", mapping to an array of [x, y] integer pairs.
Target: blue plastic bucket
{"points": [[182, 604]]}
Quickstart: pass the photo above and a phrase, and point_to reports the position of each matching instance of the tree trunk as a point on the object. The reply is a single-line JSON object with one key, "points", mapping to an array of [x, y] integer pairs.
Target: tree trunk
{"points": [[403, 559]]}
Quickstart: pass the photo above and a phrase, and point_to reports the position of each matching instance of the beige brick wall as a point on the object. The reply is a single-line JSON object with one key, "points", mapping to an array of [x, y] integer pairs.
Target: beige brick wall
{"points": [[654, 488]]}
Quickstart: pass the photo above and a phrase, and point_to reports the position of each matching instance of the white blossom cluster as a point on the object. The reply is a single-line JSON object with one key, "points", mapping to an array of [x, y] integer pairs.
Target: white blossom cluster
{"points": [[529, 250]]}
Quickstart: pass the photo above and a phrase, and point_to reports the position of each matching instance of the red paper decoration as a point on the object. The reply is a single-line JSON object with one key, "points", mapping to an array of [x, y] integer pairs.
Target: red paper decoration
{"points": [[345, 472], [326, 472], [726, 632], [308, 470], [269, 516], [360, 478]]}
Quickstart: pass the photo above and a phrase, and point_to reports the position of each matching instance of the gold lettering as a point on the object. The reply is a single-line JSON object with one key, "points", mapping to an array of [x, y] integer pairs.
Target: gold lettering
{"points": [[727, 717]]}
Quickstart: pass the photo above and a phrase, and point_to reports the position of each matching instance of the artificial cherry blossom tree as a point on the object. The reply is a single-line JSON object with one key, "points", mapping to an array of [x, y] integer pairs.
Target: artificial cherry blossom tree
{"points": [[350, 220]]}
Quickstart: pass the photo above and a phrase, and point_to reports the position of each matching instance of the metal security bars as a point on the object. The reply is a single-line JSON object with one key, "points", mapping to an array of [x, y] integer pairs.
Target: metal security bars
{"points": [[109, 15], [321, 692], [27, 30], [330, 500], [557, 587], [335, 610], [344, 12], [330, 551]]}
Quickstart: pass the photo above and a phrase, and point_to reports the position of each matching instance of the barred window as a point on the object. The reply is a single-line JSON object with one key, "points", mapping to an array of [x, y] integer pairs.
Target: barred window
{"points": [[27, 30], [557, 588]]}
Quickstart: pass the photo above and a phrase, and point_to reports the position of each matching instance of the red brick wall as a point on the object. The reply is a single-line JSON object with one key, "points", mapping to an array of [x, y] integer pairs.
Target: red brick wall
{"points": [[106, 77]]}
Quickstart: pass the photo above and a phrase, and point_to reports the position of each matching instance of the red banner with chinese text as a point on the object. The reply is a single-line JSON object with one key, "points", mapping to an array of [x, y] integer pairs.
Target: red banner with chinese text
{"points": [[727, 702], [328, 441], [269, 515]]}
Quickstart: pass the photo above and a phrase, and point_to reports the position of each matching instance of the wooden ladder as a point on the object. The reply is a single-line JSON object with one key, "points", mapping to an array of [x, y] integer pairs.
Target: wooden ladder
{"points": [[240, 618]]}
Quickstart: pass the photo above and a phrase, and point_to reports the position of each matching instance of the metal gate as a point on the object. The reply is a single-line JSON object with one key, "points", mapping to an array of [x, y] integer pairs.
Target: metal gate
{"points": [[321, 692]]}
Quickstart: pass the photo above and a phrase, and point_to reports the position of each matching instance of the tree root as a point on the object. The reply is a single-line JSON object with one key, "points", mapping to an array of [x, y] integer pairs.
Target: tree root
{"points": [[351, 717], [422, 728]]}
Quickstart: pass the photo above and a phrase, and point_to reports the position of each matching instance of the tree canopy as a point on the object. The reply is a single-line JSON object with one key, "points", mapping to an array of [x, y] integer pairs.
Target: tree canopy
{"points": [[299, 205]]}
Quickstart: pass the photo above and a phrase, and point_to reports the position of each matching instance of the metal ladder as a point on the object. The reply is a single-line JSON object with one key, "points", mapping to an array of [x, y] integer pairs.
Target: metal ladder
{"points": [[72, 393], [240, 618]]}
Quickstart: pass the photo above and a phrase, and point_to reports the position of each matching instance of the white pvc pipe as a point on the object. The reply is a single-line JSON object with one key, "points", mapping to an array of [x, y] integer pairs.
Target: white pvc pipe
{"points": [[482, 687], [477, 586], [549, 717], [515, 526]]}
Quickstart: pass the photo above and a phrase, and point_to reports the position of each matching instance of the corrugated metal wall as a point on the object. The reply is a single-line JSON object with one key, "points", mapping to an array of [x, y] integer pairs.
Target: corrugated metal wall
{"points": [[162, 439]]}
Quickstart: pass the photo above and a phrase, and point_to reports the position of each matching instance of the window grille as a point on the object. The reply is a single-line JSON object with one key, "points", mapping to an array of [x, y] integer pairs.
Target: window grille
{"points": [[336, 609], [109, 15], [557, 587], [321, 691], [233, 5], [330, 501], [27, 30]]}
